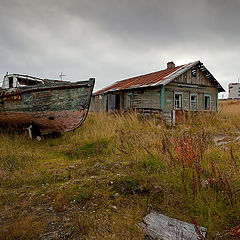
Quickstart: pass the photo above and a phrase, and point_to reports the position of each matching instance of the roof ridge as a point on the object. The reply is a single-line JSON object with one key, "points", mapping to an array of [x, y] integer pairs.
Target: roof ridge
{"points": [[142, 75]]}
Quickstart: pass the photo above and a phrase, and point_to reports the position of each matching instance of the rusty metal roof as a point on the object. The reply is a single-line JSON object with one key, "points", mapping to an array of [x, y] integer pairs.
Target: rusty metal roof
{"points": [[162, 77]]}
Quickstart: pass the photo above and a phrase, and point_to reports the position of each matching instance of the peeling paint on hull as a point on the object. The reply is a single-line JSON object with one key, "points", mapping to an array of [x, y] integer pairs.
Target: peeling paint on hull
{"points": [[52, 108], [61, 121]]}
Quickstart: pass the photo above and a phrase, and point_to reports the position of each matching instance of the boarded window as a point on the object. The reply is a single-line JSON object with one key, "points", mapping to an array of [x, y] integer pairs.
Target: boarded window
{"points": [[193, 102], [207, 102]]}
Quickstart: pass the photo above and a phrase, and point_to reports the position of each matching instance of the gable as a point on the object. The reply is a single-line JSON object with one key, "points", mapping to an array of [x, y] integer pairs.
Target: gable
{"points": [[194, 76]]}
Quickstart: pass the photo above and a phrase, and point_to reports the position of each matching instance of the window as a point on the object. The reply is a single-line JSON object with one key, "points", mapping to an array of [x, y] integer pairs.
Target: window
{"points": [[207, 102], [193, 101], [27, 82], [130, 100], [177, 101], [194, 72], [238, 91]]}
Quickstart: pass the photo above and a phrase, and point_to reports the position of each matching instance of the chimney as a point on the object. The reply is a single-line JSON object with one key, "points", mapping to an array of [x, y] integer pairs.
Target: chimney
{"points": [[170, 65]]}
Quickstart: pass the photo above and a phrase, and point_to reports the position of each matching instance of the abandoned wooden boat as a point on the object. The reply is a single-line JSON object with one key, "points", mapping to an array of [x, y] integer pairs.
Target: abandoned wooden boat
{"points": [[44, 105]]}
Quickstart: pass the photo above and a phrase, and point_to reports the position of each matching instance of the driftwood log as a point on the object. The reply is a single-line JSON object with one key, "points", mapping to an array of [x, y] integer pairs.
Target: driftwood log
{"points": [[162, 227]]}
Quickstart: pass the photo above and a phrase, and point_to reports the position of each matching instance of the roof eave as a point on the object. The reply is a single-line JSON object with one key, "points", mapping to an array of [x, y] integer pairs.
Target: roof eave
{"points": [[220, 89]]}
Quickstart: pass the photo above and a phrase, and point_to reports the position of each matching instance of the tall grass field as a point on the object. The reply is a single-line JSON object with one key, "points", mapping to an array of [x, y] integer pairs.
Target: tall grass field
{"points": [[101, 180]]}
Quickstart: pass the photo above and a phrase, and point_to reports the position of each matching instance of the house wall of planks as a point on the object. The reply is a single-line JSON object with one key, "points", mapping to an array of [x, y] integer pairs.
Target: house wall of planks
{"points": [[150, 98]]}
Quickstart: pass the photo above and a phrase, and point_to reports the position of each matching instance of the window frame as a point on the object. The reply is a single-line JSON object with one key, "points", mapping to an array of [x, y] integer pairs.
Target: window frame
{"points": [[204, 102], [130, 100], [174, 99], [190, 101]]}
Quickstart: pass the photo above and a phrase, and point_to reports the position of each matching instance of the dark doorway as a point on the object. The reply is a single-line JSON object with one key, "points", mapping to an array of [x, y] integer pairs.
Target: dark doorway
{"points": [[117, 102], [113, 103], [107, 102], [10, 79], [207, 103]]}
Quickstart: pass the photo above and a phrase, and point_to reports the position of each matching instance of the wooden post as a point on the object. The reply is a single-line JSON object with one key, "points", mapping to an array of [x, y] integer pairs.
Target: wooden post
{"points": [[162, 97], [217, 100], [173, 117]]}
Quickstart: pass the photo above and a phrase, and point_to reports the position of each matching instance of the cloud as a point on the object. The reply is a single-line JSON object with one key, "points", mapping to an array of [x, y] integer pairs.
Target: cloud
{"points": [[112, 40]]}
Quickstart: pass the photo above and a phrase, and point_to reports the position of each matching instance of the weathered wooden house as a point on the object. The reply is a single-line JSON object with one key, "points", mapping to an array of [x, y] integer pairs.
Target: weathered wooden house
{"points": [[170, 92]]}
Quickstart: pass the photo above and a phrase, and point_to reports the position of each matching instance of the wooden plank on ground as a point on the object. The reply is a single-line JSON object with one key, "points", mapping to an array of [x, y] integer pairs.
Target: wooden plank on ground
{"points": [[162, 227]]}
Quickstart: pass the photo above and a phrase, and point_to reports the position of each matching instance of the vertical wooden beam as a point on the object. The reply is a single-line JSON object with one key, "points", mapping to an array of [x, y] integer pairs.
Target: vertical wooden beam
{"points": [[217, 100], [93, 104], [162, 97], [173, 117]]}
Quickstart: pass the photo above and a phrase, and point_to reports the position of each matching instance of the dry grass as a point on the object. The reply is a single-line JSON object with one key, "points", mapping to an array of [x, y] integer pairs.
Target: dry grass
{"points": [[101, 180], [229, 107], [21, 228]]}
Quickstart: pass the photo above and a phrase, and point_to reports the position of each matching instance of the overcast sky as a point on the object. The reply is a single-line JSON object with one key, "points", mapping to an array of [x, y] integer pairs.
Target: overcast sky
{"points": [[116, 39]]}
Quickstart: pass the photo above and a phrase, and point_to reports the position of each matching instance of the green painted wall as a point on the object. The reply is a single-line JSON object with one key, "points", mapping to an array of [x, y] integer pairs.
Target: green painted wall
{"points": [[173, 87]]}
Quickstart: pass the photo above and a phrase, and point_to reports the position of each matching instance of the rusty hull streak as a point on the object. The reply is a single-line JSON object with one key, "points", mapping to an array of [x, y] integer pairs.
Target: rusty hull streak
{"points": [[63, 121]]}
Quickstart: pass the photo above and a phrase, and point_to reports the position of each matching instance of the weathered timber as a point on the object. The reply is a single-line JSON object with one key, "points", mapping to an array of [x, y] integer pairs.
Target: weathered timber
{"points": [[161, 227], [186, 91], [171, 92], [51, 106]]}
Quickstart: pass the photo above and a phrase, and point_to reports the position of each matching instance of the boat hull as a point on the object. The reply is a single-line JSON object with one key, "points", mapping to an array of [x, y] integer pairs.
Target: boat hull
{"points": [[52, 108]]}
